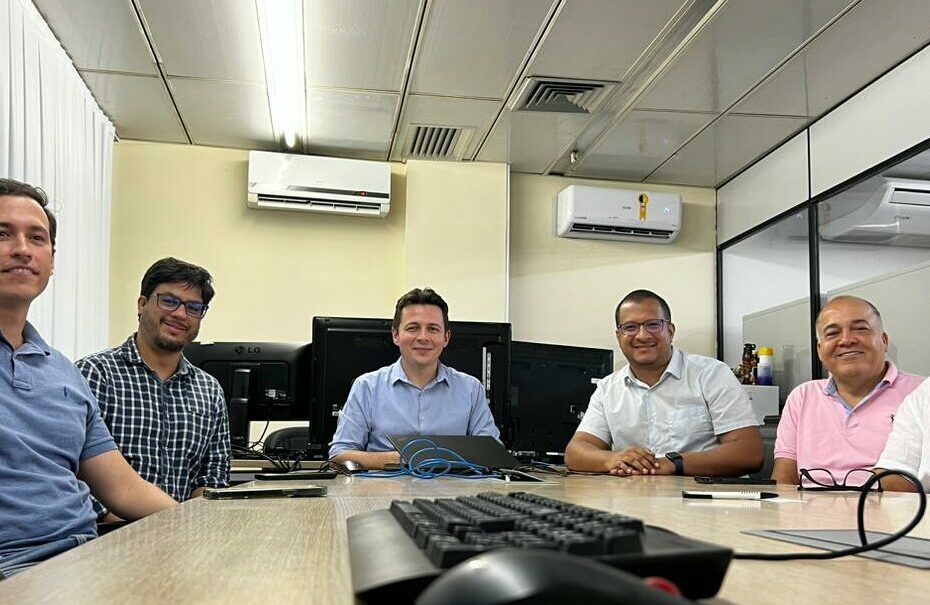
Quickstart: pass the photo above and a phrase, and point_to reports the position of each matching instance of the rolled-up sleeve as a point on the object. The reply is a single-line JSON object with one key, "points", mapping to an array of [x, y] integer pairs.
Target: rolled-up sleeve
{"points": [[353, 428], [594, 421], [481, 420]]}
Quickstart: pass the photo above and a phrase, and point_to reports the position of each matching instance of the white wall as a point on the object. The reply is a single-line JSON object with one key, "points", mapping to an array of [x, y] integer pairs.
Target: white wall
{"points": [[564, 291]]}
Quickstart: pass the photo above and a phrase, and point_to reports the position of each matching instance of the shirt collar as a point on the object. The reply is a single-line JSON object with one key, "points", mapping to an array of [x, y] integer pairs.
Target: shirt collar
{"points": [[891, 374], [674, 369], [397, 373], [32, 341], [130, 352]]}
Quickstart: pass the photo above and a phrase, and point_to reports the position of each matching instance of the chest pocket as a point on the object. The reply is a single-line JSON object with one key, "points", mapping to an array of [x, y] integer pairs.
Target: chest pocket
{"points": [[691, 419]]}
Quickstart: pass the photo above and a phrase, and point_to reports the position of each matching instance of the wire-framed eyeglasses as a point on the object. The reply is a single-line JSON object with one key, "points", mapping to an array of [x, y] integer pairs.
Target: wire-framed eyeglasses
{"points": [[631, 328], [820, 479], [170, 302]]}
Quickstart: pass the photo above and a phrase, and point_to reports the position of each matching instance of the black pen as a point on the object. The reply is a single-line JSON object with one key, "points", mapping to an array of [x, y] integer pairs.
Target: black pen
{"points": [[728, 495]]}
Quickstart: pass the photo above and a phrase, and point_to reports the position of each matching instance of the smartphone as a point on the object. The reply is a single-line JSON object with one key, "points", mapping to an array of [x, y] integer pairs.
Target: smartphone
{"points": [[293, 475], [734, 481], [237, 493]]}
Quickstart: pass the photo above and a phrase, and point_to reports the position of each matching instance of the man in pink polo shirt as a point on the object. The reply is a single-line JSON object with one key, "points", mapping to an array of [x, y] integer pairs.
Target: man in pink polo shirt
{"points": [[841, 424]]}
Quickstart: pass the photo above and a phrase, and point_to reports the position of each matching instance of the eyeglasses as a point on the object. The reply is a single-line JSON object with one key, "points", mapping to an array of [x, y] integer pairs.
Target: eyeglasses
{"points": [[170, 302], [824, 480], [631, 328]]}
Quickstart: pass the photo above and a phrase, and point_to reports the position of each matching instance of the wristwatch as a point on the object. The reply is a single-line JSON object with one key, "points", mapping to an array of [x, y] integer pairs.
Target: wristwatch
{"points": [[677, 460]]}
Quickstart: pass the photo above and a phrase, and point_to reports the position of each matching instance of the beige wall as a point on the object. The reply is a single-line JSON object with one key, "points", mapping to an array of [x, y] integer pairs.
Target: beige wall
{"points": [[273, 269], [456, 236], [564, 291]]}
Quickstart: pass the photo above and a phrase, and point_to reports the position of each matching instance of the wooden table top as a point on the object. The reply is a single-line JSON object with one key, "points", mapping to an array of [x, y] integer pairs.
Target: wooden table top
{"points": [[295, 550]]}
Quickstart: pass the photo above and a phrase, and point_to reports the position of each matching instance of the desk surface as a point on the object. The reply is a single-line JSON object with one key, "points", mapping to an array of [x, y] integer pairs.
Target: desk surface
{"points": [[295, 550]]}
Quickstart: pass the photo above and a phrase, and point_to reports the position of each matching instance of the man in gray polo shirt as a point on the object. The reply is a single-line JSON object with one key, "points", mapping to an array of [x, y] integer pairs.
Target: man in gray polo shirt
{"points": [[54, 448], [668, 412]]}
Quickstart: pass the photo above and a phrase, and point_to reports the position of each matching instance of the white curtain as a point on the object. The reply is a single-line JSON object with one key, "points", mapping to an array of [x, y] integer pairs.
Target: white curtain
{"points": [[53, 135]]}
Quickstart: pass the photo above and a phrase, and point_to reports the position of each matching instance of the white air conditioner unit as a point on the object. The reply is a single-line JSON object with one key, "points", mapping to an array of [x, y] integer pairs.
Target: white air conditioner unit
{"points": [[898, 213], [618, 214], [280, 181]]}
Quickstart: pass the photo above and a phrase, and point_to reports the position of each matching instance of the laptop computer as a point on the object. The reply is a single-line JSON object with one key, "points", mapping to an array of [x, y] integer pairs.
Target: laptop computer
{"points": [[482, 450]]}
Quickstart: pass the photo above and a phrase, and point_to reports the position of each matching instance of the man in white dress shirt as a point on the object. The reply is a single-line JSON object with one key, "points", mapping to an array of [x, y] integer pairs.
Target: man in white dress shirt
{"points": [[667, 412]]}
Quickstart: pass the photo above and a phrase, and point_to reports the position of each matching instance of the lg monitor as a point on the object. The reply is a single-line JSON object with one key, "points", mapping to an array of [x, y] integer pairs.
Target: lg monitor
{"points": [[550, 389], [262, 381], [345, 348]]}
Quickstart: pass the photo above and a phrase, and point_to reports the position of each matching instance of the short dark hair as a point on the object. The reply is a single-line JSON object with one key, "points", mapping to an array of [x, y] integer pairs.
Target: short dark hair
{"points": [[9, 187], [171, 270], [417, 296], [638, 296]]}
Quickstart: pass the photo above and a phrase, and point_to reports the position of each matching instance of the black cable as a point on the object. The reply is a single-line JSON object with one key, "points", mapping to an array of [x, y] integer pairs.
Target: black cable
{"points": [[261, 455], [860, 521], [261, 438]]}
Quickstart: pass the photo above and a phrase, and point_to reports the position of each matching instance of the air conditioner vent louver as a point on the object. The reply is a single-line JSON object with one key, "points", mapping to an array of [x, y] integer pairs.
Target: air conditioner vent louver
{"points": [[316, 204], [617, 230], [433, 142], [561, 96]]}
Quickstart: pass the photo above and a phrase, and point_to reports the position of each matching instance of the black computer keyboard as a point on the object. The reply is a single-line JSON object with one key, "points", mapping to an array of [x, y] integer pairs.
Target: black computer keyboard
{"points": [[396, 553]]}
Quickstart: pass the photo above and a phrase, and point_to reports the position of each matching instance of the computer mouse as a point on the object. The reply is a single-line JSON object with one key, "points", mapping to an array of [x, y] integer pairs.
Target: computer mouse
{"points": [[540, 577], [353, 466]]}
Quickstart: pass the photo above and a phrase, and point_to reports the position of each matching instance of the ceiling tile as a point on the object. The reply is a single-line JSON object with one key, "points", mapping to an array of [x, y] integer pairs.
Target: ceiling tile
{"points": [[473, 49], [532, 140], [138, 105], [213, 39], [349, 123], [99, 34], [639, 144], [743, 42], [446, 111], [830, 68], [226, 114], [725, 148], [360, 44], [600, 39]]}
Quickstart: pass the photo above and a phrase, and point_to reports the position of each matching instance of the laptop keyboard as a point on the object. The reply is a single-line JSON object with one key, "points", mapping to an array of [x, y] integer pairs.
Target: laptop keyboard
{"points": [[432, 535]]}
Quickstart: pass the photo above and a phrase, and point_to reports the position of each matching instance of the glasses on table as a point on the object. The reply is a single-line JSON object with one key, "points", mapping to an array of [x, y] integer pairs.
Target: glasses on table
{"points": [[823, 480], [170, 302], [631, 328]]}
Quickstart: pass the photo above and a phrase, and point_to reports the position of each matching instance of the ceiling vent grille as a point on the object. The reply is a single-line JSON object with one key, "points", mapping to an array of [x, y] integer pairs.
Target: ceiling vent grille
{"points": [[433, 142], [561, 95]]}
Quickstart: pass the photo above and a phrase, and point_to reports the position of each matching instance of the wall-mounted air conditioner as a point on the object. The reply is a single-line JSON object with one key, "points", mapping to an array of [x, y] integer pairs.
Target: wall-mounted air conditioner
{"points": [[280, 181], [897, 213], [618, 214]]}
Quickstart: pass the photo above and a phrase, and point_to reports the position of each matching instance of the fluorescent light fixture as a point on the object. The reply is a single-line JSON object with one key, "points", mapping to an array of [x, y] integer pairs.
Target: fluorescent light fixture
{"points": [[280, 23]]}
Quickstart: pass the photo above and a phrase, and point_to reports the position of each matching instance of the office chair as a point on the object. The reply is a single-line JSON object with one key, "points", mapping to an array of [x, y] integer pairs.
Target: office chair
{"points": [[292, 439]]}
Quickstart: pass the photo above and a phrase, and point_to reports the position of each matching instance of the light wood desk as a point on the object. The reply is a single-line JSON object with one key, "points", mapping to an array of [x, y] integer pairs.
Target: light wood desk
{"points": [[295, 550]]}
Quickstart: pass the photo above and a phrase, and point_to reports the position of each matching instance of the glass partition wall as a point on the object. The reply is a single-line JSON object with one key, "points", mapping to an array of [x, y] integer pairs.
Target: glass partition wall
{"points": [[869, 239], [766, 299]]}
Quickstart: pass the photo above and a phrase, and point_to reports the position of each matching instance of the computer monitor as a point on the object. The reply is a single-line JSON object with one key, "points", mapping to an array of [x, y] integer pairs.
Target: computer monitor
{"points": [[551, 385], [262, 381], [346, 347]]}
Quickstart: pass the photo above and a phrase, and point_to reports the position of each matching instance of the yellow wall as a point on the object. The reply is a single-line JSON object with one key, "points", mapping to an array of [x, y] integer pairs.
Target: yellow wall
{"points": [[564, 291], [450, 227], [456, 236], [274, 270]]}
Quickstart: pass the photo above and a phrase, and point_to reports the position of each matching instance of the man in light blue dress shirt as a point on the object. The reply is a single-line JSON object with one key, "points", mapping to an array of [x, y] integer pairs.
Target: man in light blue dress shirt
{"points": [[416, 395]]}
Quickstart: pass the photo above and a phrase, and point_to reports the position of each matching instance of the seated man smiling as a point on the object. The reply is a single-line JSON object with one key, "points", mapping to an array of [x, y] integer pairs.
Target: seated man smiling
{"points": [[416, 395]]}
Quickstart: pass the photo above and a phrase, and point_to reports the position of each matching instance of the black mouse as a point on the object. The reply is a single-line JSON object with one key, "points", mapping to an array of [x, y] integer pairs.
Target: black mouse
{"points": [[540, 577]]}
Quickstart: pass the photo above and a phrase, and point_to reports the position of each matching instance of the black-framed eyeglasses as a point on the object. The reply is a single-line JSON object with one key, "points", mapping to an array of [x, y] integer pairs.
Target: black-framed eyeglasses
{"points": [[170, 302], [823, 480], [631, 328]]}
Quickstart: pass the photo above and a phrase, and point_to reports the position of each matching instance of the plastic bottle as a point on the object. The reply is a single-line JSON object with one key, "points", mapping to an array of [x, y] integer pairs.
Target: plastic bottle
{"points": [[764, 372]]}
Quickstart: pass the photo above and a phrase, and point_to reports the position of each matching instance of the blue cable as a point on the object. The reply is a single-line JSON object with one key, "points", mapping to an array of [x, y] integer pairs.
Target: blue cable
{"points": [[427, 468]]}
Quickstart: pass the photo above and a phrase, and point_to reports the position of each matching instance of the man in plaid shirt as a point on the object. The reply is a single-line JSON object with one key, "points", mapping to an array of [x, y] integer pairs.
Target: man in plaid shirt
{"points": [[167, 416]]}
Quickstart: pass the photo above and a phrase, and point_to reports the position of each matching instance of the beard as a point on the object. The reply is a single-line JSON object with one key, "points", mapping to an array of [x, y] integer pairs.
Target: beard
{"points": [[152, 327]]}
